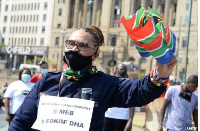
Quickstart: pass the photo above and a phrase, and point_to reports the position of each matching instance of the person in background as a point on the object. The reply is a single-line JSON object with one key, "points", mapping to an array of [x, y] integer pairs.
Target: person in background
{"points": [[44, 69], [16, 92], [119, 119], [181, 103], [106, 91], [4, 88]]}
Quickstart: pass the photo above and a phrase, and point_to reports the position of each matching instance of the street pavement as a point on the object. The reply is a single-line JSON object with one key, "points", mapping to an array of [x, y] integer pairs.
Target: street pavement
{"points": [[3, 122]]}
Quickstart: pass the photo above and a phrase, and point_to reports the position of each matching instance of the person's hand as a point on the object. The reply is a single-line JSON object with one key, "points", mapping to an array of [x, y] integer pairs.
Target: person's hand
{"points": [[8, 118], [128, 126], [165, 70], [160, 128]]}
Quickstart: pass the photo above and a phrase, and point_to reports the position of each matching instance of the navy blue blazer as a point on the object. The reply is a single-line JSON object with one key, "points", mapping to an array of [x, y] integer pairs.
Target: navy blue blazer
{"points": [[107, 91]]}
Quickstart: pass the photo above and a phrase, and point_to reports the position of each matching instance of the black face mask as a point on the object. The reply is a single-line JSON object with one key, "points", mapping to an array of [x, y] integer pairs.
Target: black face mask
{"points": [[185, 96], [77, 61], [122, 73]]}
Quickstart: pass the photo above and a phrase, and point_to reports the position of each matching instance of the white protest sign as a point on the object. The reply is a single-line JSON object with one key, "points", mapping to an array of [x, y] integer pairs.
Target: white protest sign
{"points": [[63, 114]]}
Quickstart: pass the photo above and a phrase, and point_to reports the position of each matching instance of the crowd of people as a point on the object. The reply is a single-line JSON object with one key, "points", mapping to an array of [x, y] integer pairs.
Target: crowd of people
{"points": [[115, 96]]}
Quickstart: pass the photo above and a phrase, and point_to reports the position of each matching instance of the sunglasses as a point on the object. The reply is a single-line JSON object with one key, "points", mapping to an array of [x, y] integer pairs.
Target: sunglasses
{"points": [[80, 45]]}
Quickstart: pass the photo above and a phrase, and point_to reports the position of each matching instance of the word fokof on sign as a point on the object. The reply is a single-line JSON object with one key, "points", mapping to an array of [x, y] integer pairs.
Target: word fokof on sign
{"points": [[61, 121]]}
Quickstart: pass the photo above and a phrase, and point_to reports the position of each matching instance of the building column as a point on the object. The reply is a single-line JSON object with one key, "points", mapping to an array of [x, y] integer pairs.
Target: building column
{"points": [[107, 13], [76, 13], [85, 8], [157, 5], [25, 58], [159, 8], [134, 6], [126, 10], [94, 14], [166, 13], [35, 60], [67, 6], [15, 61], [146, 3], [171, 14]]}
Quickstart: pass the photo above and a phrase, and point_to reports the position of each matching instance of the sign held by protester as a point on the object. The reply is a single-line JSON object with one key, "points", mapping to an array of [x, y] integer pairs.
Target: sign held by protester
{"points": [[63, 114]]}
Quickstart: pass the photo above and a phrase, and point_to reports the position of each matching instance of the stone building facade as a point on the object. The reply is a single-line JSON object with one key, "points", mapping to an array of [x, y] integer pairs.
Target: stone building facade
{"points": [[71, 14]]}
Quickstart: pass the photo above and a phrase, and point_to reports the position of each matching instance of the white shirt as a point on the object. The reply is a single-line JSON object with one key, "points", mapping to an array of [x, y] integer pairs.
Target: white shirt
{"points": [[15, 92], [117, 113]]}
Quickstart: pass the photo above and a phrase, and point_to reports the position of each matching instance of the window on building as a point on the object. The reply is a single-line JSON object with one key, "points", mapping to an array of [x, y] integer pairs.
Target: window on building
{"points": [[12, 7], [35, 6], [44, 17], [5, 19], [57, 41], [6, 7], [36, 30], [38, 6], [59, 12], [186, 22], [187, 7], [22, 41], [22, 7], [3, 40], [21, 18], [29, 6], [10, 30], [180, 60], [28, 42], [31, 41], [58, 25], [32, 6], [33, 17], [4, 29], [37, 18], [45, 5], [19, 29], [33, 29], [113, 40], [15, 7], [29, 29], [42, 41], [16, 30], [22, 29], [43, 29], [26, 29], [27, 18], [117, 12], [18, 7], [35, 41], [18, 18], [184, 42]]}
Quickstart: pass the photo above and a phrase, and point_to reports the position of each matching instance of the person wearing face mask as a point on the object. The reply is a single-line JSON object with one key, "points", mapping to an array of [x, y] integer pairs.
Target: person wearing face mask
{"points": [[119, 119], [44, 69], [16, 92], [181, 103], [81, 82]]}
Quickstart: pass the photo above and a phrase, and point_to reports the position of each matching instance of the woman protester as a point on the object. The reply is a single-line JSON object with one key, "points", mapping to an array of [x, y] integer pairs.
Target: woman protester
{"points": [[105, 90], [16, 92]]}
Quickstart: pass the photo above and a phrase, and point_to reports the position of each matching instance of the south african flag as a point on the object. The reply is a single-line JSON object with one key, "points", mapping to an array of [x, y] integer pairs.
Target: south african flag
{"points": [[150, 34]]}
